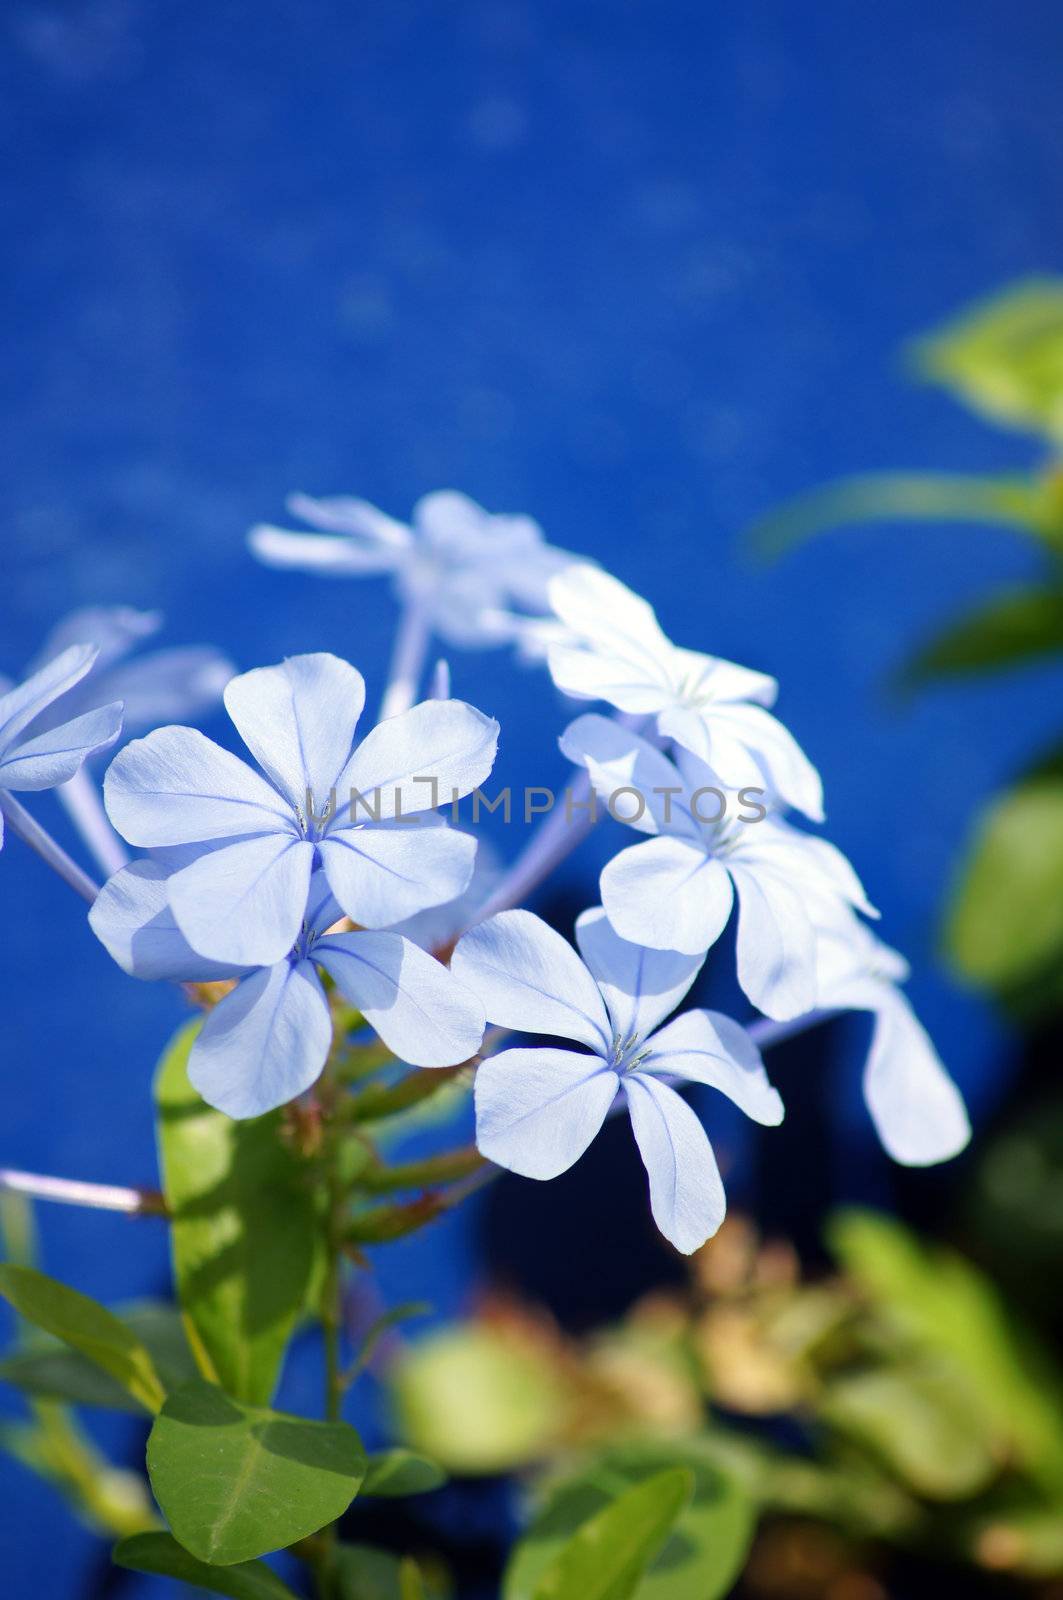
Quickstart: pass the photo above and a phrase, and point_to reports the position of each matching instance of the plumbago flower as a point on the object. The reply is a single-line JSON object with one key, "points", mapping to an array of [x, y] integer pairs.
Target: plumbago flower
{"points": [[538, 1109], [917, 1110], [359, 813], [615, 651], [156, 687], [32, 758], [463, 568], [268, 1039], [676, 891]]}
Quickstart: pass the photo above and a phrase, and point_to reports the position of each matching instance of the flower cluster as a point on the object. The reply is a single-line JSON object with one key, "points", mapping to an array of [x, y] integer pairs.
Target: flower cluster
{"points": [[298, 873]]}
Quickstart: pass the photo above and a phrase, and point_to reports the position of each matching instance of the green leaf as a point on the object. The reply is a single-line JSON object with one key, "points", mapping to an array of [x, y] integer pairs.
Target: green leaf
{"points": [[51, 1370], [608, 1555], [1015, 627], [86, 1326], [400, 1472], [475, 1401], [236, 1481], [1025, 505], [1004, 357], [365, 1573], [941, 1305], [1005, 925], [921, 1423], [160, 1553], [244, 1229], [711, 1539]]}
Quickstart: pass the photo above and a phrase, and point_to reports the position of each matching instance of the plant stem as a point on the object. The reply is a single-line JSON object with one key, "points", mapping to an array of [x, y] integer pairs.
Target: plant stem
{"points": [[764, 1033], [81, 799], [407, 659], [30, 832], [73, 1192]]}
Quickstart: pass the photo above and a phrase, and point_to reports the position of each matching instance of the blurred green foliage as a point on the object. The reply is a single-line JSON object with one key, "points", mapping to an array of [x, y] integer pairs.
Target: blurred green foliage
{"points": [[1003, 359], [898, 1404]]}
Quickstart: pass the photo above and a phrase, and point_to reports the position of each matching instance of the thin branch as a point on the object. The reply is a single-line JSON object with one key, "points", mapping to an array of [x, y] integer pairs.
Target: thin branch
{"points": [[74, 1192], [30, 832]]}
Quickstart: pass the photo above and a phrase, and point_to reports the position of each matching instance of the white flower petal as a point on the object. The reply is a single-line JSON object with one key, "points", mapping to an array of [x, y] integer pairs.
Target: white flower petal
{"points": [[720, 680], [442, 740], [298, 721], [132, 919], [529, 978], [418, 1008], [669, 894], [265, 1043], [245, 903], [707, 1047], [916, 1107], [612, 618], [175, 786], [618, 759], [686, 1193], [538, 1110], [53, 757], [380, 875], [20, 705], [641, 987], [320, 553], [787, 769], [585, 673], [776, 945]]}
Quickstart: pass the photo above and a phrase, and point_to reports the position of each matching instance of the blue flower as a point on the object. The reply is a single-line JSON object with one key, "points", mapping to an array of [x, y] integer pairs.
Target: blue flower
{"points": [[32, 759], [613, 649], [385, 856], [268, 1039], [676, 890], [538, 1109], [465, 567], [161, 686]]}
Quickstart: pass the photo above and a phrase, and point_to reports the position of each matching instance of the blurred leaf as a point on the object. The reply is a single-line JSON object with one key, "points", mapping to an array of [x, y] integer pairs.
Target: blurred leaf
{"points": [[1023, 504], [86, 1326], [921, 1423], [1006, 920], [477, 1402], [943, 1305], [1016, 627], [365, 1573], [52, 1371], [160, 1553], [608, 1554], [244, 1228], [703, 1557], [1004, 357], [237, 1481], [401, 1472]]}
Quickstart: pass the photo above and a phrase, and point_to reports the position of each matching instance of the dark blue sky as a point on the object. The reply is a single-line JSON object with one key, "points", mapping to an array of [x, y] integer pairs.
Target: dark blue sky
{"points": [[638, 269]]}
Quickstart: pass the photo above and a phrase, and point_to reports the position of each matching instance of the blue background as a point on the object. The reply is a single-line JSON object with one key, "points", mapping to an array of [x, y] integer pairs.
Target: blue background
{"points": [[640, 270]]}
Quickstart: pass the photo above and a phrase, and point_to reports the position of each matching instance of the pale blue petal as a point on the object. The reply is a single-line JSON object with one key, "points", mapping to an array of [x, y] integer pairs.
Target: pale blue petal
{"points": [[342, 513], [530, 978], [381, 875], [707, 1047], [618, 759], [916, 1107], [176, 786], [265, 1043], [538, 1110], [668, 894], [686, 1193], [53, 757], [323, 910], [298, 721], [245, 903], [320, 553], [776, 944], [416, 1005], [27, 700], [114, 630], [444, 740], [166, 686], [787, 769], [641, 986], [133, 921]]}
